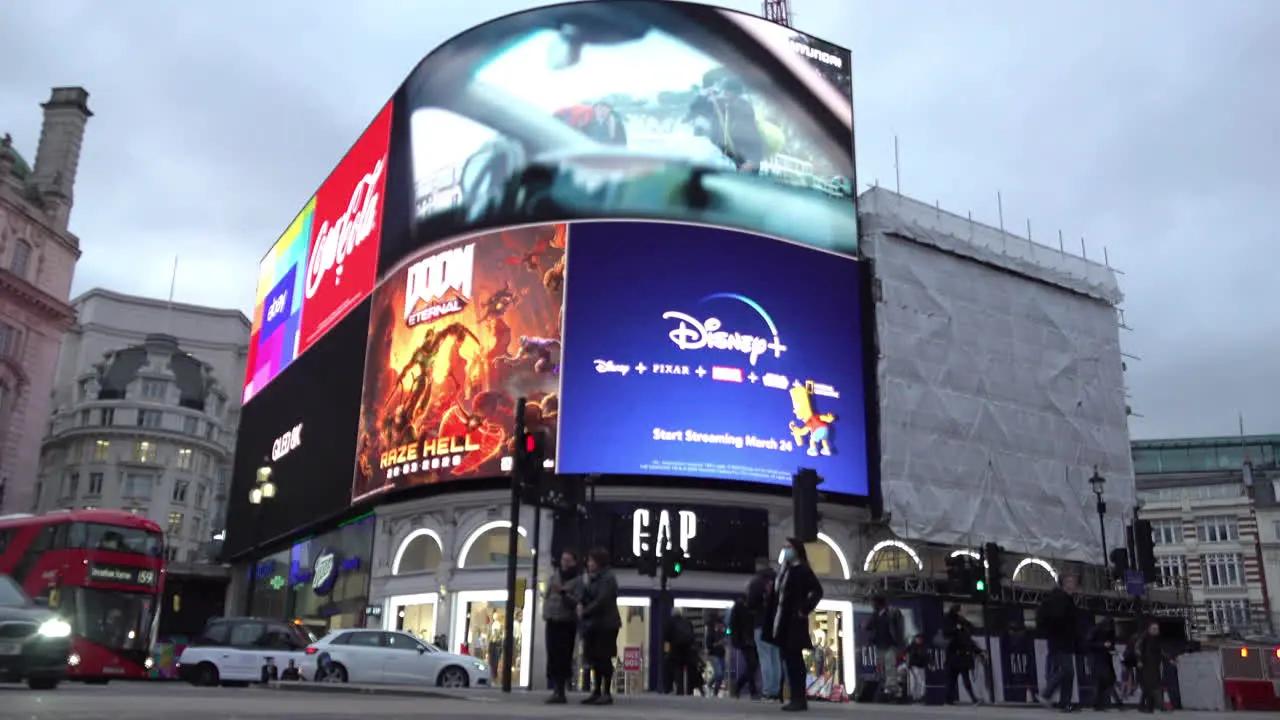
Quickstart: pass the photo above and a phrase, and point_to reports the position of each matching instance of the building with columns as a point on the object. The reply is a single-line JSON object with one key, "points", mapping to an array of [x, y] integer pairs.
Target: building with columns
{"points": [[38, 255], [146, 404]]}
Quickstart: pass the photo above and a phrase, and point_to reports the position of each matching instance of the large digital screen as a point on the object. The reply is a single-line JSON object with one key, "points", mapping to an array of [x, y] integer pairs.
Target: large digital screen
{"points": [[628, 108], [277, 307], [301, 431], [342, 265], [456, 334], [702, 352]]}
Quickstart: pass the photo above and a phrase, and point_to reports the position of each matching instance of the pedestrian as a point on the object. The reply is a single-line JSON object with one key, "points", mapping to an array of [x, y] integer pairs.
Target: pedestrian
{"points": [[796, 595], [1056, 619], [1100, 646], [679, 653], [742, 636], [759, 595], [886, 627], [714, 643], [961, 651], [1151, 659], [599, 621], [559, 610], [917, 669]]}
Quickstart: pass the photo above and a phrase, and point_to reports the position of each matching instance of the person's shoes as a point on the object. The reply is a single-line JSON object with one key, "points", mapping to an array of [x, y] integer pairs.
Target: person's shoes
{"points": [[592, 699], [557, 699], [795, 707], [605, 699]]}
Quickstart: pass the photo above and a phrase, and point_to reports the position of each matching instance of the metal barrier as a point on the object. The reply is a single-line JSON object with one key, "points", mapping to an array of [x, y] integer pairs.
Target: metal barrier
{"points": [[1251, 677]]}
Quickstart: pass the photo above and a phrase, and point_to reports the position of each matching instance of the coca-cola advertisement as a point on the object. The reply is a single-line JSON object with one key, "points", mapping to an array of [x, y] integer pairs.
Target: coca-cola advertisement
{"points": [[342, 263]]}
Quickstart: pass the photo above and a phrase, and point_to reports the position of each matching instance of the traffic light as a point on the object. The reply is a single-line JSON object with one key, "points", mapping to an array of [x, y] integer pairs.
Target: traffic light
{"points": [[993, 556], [804, 504], [647, 565], [531, 452], [1144, 550], [672, 563]]}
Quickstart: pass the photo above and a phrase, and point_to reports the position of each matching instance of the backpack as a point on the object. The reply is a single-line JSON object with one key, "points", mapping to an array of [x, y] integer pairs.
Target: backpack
{"points": [[741, 625]]}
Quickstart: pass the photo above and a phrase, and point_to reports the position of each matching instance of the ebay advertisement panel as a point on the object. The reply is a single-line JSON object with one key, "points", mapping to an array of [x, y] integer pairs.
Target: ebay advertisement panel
{"points": [[456, 334], [700, 352], [343, 262], [277, 308]]}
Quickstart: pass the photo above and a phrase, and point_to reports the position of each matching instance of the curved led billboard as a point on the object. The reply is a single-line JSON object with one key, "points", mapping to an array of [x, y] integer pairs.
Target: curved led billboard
{"points": [[702, 352], [627, 108]]}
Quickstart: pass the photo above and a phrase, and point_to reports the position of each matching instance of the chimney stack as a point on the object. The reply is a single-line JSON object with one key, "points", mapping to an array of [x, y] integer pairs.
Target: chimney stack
{"points": [[58, 156]]}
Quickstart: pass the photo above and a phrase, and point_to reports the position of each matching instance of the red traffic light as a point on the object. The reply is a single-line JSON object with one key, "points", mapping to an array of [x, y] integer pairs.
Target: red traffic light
{"points": [[530, 443]]}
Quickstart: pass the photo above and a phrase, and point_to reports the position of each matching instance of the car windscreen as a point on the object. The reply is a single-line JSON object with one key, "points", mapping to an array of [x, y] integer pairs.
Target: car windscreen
{"points": [[111, 618], [116, 538]]}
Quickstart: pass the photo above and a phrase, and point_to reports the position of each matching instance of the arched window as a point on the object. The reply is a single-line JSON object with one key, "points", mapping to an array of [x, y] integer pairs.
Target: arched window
{"points": [[1035, 572], [487, 546], [892, 556], [419, 552], [827, 559], [20, 259]]}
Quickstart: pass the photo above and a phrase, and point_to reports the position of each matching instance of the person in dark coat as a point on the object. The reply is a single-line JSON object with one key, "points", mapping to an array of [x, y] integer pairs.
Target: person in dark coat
{"points": [[1151, 658], [1101, 646], [887, 629], [600, 622], [1056, 620], [680, 654], [742, 624], [960, 654], [715, 644], [797, 592], [559, 610], [759, 595]]}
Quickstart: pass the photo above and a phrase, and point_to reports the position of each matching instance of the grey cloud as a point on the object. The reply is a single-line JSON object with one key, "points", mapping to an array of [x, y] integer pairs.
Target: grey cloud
{"points": [[1146, 126]]}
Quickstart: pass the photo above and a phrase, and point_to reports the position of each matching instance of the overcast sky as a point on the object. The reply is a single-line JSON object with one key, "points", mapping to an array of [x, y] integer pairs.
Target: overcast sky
{"points": [[1147, 126]]}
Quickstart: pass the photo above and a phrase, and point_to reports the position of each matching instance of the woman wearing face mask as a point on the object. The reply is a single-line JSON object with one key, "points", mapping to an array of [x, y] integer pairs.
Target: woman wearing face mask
{"points": [[599, 622], [797, 594]]}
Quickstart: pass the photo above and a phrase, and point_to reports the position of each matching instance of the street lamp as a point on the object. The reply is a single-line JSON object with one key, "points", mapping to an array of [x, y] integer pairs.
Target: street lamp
{"points": [[1097, 483], [262, 491]]}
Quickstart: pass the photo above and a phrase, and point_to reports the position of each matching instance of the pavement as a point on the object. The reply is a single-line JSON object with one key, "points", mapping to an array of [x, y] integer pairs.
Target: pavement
{"points": [[133, 700]]}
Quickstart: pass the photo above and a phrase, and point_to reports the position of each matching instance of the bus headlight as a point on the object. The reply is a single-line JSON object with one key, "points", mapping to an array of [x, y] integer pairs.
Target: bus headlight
{"points": [[148, 664], [55, 628]]}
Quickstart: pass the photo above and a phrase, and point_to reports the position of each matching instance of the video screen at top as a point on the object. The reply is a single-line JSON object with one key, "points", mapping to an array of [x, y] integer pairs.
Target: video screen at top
{"points": [[634, 109]]}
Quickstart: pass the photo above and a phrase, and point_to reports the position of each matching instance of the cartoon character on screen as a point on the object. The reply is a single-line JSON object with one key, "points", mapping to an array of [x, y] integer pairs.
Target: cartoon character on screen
{"points": [[816, 425]]}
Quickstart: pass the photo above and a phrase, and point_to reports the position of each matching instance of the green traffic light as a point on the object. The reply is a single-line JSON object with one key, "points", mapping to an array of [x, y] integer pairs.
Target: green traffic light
{"points": [[982, 585], [677, 567]]}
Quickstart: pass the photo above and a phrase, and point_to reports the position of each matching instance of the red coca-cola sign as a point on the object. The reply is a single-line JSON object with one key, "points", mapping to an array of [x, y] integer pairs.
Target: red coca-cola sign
{"points": [[342, 263]]}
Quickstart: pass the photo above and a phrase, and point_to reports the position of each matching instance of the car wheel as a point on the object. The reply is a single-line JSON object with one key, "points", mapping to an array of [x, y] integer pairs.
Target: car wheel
{"points": [[206, 675], [336, 674], [452, 677], [42, 683]]}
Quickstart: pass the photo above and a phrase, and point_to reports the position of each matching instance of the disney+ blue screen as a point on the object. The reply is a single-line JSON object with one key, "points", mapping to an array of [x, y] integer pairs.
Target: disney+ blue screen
{"points": [[700, 352]]}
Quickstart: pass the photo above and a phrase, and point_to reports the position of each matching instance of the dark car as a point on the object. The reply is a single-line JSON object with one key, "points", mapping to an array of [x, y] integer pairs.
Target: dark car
{"points": [[34, 640]]}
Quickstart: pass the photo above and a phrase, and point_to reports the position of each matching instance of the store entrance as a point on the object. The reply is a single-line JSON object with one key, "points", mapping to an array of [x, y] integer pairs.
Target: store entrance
{"points": [[700, 672], [417, 615], [481, 622]]}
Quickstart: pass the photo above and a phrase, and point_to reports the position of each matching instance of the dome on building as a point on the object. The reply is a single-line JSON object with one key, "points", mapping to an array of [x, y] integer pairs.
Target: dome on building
{"points": [[120, 368], [21, 169]]}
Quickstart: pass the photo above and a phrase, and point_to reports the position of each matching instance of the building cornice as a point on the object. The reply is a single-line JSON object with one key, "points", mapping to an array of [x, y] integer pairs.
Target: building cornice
{"points": [[58, 311], [68, 240], [158, 304], [137, 337]]}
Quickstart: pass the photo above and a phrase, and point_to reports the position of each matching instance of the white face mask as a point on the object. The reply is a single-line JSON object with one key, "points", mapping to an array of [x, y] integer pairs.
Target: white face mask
{"points": [[788, 555]]}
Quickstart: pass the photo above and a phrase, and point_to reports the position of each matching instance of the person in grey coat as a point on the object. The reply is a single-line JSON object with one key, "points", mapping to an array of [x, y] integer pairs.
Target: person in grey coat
{"points": [[600, 622], [560, 611]]}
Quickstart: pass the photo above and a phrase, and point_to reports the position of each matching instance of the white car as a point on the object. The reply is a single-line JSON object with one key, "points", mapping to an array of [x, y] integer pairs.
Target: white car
{"points": [[243, 650], [389, 657]]}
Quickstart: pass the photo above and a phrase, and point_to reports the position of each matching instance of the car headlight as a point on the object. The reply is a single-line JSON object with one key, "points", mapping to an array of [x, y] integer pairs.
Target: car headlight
{"points": [[55, 628], [481, 666]]}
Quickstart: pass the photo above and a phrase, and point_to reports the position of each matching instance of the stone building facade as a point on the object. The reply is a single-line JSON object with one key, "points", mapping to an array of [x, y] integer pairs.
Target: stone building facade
{"points": [[38, 255]]}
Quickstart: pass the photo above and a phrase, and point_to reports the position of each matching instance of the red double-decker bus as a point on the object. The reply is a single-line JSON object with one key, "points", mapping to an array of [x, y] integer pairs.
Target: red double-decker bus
{"points": [[103, 570]]}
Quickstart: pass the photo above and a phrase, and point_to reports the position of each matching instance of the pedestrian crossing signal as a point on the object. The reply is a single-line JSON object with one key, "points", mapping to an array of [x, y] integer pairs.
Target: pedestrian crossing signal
{"points": [[980, 586]]}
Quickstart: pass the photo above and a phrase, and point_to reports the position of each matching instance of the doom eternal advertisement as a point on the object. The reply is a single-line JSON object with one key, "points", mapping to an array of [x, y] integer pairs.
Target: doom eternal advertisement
{"points": [[457, 333]]}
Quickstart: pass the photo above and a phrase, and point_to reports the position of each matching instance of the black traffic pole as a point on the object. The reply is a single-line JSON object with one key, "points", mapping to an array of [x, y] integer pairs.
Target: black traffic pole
{"points": [[513, 547], [533, 583]]}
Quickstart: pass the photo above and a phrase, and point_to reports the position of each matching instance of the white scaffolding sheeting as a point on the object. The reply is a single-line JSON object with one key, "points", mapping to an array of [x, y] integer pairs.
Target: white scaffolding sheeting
{"points": [[1000, 389]]}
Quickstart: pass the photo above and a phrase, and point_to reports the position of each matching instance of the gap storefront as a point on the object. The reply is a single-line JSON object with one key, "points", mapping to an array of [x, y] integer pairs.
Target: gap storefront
{"points": [[322, 580]]}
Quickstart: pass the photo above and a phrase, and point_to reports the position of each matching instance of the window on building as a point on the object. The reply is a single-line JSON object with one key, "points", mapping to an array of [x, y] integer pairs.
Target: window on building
{"points": [[20, 259], [191, 425], [107, 416], [1228, 613], [1275, 524], [175, 522], [71, 485], [184, 458], [1223, 570], [204, 463], [101, 450], [154, 389], [149, 418], [195, 529], [201, 491], [1172, 569], [144, 452], [8, 340], [1218, 528], [1166, 532], [211, 432], [180, 491], [82, 390], [137, 487], [95, 483]]}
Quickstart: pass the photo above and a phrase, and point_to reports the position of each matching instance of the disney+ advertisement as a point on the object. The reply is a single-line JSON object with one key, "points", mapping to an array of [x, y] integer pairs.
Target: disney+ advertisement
{"points": [[692, 351]]}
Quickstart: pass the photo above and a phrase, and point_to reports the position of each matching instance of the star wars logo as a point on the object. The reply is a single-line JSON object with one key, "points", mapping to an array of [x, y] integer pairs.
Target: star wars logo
{"points": [[439, 285]]}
